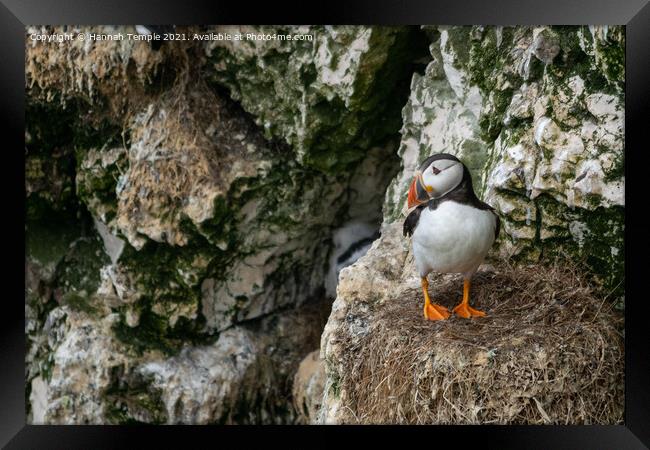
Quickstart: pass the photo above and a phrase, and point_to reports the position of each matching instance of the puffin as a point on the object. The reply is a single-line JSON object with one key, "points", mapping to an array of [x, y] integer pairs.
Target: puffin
{"points": [[451, 229]]}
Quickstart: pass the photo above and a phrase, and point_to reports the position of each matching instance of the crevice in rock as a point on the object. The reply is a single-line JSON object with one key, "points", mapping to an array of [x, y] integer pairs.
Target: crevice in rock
{"points": [[63, 251], [360, 227], [538, 227]]}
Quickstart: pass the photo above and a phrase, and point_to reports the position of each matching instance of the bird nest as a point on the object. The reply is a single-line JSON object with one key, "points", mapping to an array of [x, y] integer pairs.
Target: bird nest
{"points": [[550, 351]]}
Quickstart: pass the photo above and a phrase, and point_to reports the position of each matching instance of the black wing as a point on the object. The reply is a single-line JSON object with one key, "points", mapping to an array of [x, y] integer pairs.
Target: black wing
{"points": [[412, 220]]}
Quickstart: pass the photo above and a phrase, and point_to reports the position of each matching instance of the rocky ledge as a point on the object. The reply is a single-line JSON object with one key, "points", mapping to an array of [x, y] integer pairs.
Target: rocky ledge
{"points": [[550, 350]]}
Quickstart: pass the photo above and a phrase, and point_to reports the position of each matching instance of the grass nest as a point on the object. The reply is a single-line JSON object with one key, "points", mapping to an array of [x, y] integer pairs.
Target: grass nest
{"points": [[550, 351]]}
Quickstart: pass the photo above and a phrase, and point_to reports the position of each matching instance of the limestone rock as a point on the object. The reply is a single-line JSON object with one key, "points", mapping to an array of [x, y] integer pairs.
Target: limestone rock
{"points": [[243, 376], [75, 389], [333, 91], [308, 387], [203, 207], [209, 223], [199, 383]]}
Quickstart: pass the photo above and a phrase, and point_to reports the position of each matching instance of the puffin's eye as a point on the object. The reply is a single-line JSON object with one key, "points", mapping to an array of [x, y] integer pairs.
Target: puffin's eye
{"points": [[435, 170]]}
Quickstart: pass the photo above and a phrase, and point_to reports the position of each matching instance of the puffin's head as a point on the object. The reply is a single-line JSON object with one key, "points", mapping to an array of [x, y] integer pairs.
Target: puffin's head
{"points": [[436, 176]]}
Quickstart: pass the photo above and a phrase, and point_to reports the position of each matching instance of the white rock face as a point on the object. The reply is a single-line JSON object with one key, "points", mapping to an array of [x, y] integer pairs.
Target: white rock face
{"points": [[296, 88], [191, 167], [84, 355], [199, 384], [241, 377], [441, 115]]}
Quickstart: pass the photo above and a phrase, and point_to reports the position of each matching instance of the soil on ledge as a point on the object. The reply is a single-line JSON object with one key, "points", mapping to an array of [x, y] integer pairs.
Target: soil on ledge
{"points": [[550, 351]]}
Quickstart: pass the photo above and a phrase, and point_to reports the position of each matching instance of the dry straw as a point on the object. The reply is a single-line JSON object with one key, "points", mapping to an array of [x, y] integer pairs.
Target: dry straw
{"points": [[550, 351]]}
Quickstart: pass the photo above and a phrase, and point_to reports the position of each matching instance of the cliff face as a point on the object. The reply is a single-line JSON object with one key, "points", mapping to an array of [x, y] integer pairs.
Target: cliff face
{"points": [[188, 209], [188, 222], [537, 115]]}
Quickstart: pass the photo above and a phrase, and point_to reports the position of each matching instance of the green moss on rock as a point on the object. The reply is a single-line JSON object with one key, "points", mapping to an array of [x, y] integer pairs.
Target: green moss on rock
{"points": [[154, 333], [593, 237], [331, 107], [49, 161]]}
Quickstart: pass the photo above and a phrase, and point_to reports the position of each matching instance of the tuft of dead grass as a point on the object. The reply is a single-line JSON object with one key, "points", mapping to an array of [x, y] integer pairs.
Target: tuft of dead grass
{"points": [[550, 351]]}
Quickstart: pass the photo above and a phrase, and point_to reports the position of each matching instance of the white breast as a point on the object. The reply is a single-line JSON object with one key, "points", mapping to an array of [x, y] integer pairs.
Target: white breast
{"points": [[453, 238]]}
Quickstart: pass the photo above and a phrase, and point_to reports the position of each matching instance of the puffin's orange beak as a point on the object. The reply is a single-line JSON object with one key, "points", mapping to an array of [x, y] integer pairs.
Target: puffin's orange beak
{"points": [[418, 192]]}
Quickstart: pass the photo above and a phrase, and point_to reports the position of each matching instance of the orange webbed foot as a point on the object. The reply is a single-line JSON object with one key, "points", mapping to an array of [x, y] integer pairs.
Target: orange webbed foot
{"points": [[466, 311], [435, 312], [431, 310], [463, 309]]}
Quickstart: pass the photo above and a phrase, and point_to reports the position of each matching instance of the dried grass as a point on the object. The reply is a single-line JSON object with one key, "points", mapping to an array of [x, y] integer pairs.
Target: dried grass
{"points": [[549, 351]]}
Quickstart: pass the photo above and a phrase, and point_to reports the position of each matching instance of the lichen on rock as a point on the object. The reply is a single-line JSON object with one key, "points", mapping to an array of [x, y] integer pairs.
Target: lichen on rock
{"points": [[237, 378], [333, 92]]}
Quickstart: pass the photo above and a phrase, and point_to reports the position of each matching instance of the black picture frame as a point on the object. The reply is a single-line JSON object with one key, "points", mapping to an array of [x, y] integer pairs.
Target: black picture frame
{"points": [[635, 15]]}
